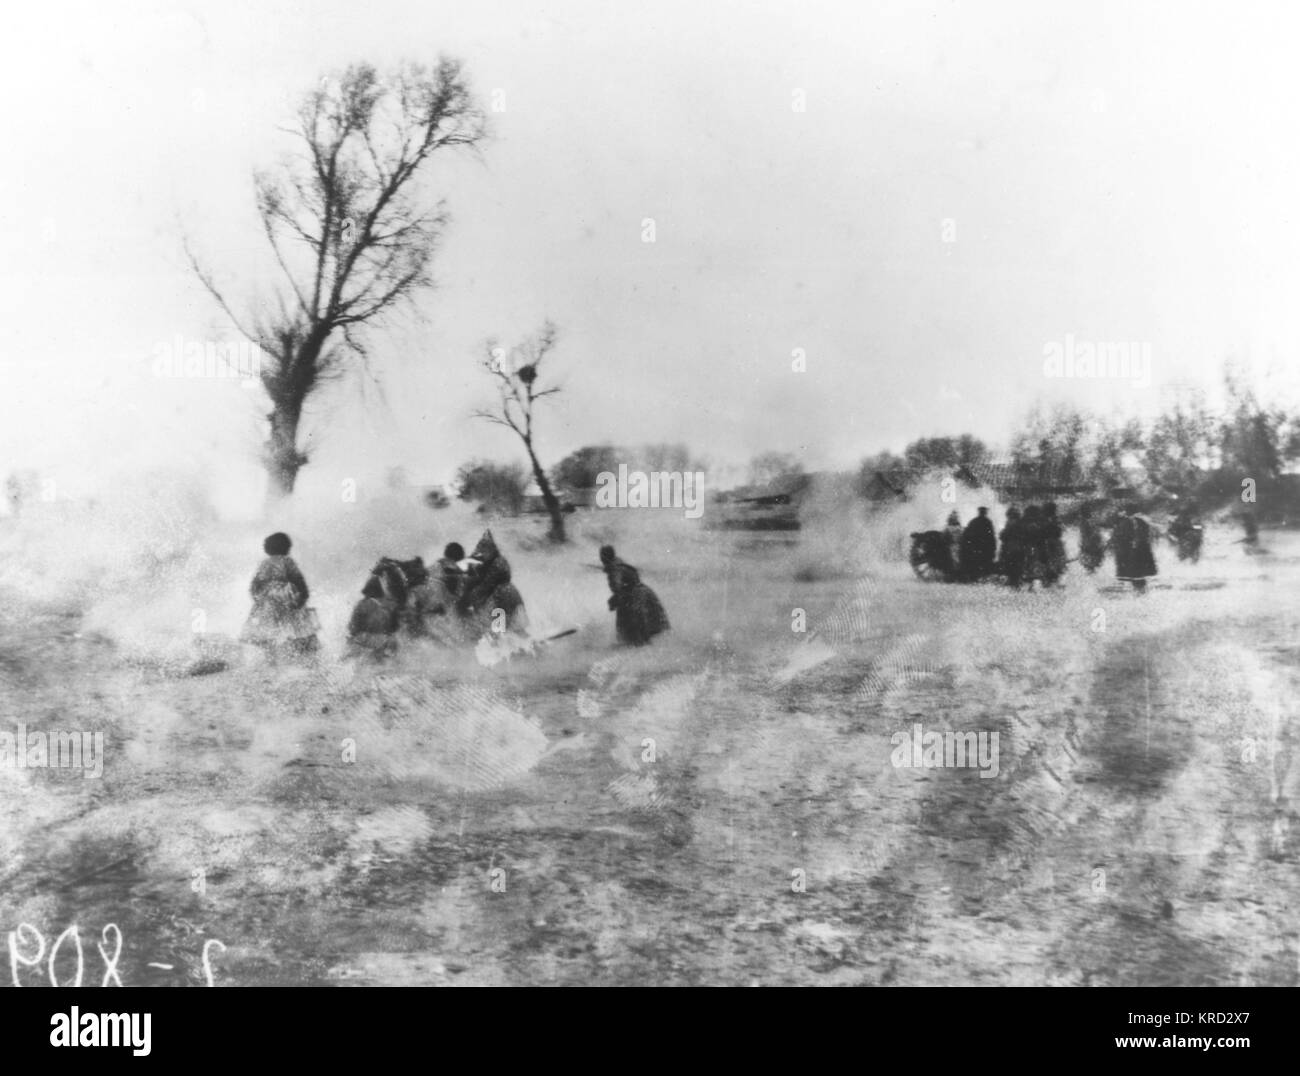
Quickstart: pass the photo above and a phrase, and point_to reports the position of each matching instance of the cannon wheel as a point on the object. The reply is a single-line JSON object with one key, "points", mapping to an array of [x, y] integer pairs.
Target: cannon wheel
{"points": [[921, 564]]}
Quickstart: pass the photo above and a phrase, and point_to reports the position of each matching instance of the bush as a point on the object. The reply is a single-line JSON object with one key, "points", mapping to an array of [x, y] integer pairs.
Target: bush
{"points": [[497, 487]]}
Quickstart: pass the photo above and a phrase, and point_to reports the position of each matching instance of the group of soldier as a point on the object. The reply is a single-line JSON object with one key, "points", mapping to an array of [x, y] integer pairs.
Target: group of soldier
{"points": [[1130, 542], [1032, 549], [454, 602]]}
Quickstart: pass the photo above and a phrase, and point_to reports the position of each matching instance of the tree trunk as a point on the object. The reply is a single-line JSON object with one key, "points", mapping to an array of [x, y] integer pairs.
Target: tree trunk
{"points": [[296, 376], [282, 458], [556, 533]]}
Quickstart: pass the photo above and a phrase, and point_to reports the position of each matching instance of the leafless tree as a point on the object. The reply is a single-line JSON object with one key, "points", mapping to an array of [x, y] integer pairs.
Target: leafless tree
{"points": [[347, 230], [516, 374]]}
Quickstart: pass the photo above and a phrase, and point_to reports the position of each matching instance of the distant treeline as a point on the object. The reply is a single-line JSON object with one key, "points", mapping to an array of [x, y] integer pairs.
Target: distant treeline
{"points": [[1190, 449], [504, 487]]}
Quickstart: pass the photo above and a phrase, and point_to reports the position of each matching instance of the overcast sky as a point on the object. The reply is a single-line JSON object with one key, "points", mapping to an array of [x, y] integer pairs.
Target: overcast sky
{"points": [[965, 185]]}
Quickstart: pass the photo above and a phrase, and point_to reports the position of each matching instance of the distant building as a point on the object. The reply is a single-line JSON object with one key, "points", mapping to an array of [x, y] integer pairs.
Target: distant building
{"points": [[570, 500], [772, 506]]}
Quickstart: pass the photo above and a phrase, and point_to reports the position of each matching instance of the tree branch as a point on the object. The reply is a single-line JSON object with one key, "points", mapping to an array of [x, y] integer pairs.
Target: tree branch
{"points": [[211, 287]]}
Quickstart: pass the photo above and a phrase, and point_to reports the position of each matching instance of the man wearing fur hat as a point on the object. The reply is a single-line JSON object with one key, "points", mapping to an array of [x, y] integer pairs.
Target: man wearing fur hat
{"points": [[280, 620]]}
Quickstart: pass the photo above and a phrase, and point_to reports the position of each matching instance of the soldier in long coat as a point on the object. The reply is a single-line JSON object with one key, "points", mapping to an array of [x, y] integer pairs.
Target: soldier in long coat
{"points": [[1012, 540], [952, 532], [1131, 541], [280, 621], [638, 614], [979, 545]]}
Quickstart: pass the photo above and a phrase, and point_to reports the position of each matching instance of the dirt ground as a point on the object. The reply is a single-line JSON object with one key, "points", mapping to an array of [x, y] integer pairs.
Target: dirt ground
{"points": [[718, 808]]}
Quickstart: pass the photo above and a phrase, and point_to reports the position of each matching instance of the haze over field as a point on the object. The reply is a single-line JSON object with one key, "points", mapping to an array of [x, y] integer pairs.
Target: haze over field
{"points": [[774, 238], [1128, 837], [1112, 173]]}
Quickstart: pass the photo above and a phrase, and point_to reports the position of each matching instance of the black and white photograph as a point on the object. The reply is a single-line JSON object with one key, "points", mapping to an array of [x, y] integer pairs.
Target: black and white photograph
{"points": [[696, 494]]}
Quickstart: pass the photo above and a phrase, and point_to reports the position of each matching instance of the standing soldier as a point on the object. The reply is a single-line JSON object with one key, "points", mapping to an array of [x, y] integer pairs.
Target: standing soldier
{"points": [[1186, 531], [1034, 541], [1092, 544], [978, 547], [952, 532], [1131, 540], [1012, 539], [1251, 526], [1054, 559]]}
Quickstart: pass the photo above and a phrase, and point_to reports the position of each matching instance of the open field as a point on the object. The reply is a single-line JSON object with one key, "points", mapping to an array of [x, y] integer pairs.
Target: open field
{"points": [[718, 808]]}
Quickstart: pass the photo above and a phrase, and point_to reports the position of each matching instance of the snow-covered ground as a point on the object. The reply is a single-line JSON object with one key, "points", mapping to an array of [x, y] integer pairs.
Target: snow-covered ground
{"points": [[720, 807]]}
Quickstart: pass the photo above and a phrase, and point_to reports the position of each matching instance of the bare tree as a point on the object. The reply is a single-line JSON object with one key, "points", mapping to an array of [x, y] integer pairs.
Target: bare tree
{"points": [[516, 376], [1047, 451], [347, 231], [1180, 445]]}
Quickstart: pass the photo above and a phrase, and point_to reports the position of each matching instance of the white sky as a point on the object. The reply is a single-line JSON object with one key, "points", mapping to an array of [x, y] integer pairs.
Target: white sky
{"points": [[1114, 171]]}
